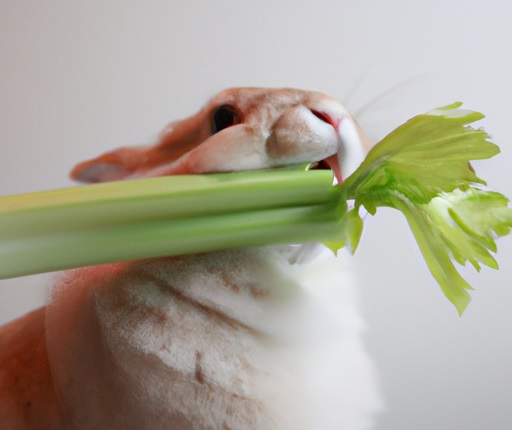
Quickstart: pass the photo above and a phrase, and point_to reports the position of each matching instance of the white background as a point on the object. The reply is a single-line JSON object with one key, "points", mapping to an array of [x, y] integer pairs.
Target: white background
{"points": [[79, 78]]}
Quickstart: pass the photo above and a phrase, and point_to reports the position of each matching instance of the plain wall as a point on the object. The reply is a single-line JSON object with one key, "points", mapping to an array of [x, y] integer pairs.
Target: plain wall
{"points": [[80, 78]]}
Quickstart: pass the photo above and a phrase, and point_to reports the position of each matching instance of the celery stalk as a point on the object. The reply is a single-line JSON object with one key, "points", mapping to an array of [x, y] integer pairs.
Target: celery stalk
{"points": [[155, 217], [115, 203]]}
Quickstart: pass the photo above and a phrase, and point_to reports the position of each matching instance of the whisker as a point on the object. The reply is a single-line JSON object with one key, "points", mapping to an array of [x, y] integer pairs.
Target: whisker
{"points": [[371, 103]]}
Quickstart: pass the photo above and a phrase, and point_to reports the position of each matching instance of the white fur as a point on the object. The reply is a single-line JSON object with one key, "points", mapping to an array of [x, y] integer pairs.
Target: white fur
{"points": [[279, 345]]}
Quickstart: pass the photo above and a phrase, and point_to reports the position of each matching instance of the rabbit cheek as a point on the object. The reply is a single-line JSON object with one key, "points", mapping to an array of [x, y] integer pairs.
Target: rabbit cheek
{"points": [[239, 147]]}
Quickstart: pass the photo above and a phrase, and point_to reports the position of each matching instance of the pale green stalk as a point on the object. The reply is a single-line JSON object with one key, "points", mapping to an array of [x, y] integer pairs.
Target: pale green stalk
{"points": [[97, 224], [116, 203]]}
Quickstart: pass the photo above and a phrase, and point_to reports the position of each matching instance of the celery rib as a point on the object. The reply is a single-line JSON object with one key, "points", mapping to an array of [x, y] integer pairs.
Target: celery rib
{"points": [[51, 231], [115, 203]]}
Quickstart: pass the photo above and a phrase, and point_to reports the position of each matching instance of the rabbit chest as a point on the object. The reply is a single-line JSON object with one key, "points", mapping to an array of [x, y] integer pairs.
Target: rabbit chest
{"points": [[249, 338]]}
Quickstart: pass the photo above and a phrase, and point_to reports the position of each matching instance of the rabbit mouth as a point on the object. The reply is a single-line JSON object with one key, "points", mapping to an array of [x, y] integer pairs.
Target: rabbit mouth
{"points": [[329, 163], [353, 146]]}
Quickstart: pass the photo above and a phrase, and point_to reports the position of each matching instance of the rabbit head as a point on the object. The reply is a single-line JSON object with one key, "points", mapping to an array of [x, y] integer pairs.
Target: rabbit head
{"points": [[243, 129]]}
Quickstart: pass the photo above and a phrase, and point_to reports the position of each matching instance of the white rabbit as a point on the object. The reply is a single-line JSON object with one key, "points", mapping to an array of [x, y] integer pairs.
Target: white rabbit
{"points": [[256, 338]]}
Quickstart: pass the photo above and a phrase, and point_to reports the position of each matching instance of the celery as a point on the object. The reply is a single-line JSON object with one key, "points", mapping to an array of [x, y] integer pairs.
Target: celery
{"points": [[94, 224], [421, 169]]}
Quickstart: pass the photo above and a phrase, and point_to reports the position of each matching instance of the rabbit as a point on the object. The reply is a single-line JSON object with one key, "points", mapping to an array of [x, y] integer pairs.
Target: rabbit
{"points": [[252, 338]]}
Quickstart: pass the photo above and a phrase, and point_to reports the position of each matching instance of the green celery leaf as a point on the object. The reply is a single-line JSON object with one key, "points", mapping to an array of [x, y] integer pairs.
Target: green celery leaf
{"points": [[459, 226], [422, 169], [423, 157]]}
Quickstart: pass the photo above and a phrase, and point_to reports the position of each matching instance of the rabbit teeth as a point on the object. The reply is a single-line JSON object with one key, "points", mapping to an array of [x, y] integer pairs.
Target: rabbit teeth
{"points": [[329, 163]]}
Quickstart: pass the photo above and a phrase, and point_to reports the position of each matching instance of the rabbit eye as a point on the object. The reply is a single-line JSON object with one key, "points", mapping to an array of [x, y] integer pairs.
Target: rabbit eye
{"points": [[224, 117]]}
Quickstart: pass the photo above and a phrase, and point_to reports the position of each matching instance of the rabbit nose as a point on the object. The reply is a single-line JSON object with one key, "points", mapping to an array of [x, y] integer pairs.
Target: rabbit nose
{"points": [[325, 117]]}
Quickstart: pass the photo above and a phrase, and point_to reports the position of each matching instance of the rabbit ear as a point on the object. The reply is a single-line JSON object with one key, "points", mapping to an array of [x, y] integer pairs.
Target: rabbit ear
{"points": [[111, 166], [176, 140]]}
